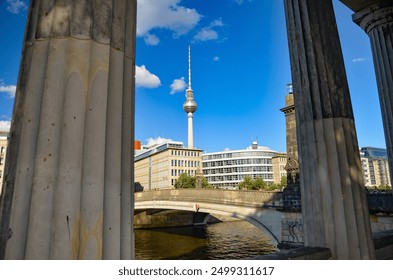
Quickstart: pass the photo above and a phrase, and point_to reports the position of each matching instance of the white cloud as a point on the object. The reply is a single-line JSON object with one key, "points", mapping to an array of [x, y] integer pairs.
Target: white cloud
{"points": [[143, 78], [151, 39], [5, 125], [216, 58], [167, 14], [359, 60], [178, 85], [15, 6], [8, 89], [208, 33], [217, 22], [157, 141]]}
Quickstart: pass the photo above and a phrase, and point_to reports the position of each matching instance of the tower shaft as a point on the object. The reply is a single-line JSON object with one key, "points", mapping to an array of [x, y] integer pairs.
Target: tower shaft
{"points": [[190, 131]]}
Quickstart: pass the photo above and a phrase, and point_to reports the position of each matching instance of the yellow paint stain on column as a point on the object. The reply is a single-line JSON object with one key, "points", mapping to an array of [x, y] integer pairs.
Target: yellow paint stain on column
{"points": [[87, 235]]}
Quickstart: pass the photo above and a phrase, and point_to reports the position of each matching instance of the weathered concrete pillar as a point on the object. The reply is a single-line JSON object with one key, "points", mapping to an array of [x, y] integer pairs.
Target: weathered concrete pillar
{"points": [[334, 203], [72, 133], [377, 20]]}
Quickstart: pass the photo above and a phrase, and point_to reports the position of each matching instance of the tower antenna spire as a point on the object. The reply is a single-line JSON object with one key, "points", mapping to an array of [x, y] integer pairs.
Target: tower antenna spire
{"points": [[190, 105], [189, 67]]}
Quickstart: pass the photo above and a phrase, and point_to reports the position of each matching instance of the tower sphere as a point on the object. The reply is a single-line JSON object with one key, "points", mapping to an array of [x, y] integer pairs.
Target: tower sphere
{"points": [[189, 105]]}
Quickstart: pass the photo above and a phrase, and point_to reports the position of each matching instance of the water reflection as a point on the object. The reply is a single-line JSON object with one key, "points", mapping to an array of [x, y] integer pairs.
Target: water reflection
{"points": [[229, 240]]}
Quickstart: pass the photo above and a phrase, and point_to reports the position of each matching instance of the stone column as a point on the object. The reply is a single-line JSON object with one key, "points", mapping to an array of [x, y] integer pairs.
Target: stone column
{"points": [[70, 187], [291, 193], [334, 203], [292, 166], [377, 21]]}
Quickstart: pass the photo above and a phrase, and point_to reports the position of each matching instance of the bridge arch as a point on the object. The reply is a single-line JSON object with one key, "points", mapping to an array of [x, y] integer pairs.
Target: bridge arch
{"points": [[266, 220]]}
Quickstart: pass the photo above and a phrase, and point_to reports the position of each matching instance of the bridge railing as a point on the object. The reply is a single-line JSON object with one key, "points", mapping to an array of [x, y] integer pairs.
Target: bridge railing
{"points": [[217, 196]]}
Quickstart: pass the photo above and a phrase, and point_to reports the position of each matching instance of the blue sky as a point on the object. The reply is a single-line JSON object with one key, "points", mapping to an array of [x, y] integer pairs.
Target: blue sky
{"points": [[240, 68]]}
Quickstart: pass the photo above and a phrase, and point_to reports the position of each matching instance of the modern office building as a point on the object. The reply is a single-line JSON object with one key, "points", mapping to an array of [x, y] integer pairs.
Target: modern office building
{"points": [[365, 169], [3, 154], [375, 166], [227, 169], [159, 166], [372, 152]]}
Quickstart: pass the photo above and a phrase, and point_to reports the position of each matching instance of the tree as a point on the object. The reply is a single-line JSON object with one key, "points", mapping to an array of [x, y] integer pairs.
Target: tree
{"points": [[205, 183], [258, 184], [384, 187], [246, 183], [272, 187], [185, 182], [284, 181]]}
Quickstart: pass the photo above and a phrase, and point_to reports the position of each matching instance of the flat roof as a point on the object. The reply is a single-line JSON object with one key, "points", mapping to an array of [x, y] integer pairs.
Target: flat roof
{"points": [[162, 147]]}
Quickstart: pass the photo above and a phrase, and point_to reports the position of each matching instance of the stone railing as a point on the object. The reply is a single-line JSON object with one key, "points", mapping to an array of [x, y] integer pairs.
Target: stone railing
{"points": [[258, 199], [380, 202]]}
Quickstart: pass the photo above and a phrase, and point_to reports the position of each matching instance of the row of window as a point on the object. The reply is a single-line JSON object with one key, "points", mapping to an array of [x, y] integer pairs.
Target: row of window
{"points": [[185, 153], [238, 177], [240, 154], [238, 162], [238, 169], [176, 172], [185, 163]]}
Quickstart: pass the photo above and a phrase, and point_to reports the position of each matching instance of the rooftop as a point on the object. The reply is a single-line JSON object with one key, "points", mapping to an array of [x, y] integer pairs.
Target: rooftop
{"points": [[160, 148]]}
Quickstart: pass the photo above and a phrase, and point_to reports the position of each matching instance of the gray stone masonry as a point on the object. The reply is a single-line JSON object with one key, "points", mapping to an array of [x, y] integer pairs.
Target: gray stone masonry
{"points": [[376, 19], [334, 202], [68, 182]]}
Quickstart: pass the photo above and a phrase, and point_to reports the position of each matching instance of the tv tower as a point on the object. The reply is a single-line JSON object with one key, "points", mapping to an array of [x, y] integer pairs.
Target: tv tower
{"points": [[190, 105]]}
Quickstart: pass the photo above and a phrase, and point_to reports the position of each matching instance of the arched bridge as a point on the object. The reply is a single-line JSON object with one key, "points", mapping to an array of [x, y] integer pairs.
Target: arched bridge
{"points": [[256, 207]]}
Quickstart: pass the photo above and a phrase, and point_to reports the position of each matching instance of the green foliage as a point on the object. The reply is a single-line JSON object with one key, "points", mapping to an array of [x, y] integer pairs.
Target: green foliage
{"points": [[185, 181], [384, 187], [205, 183], [273, 187], [246, 183], [258, 184], [284, 181]]}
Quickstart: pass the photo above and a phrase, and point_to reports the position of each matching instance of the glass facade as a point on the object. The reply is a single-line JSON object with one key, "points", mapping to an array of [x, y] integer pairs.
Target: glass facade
{"points": [[228, 168]]}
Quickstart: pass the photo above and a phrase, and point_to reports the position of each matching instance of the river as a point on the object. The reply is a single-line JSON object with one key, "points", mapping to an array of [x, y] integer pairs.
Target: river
{"points": [[225, 241]]}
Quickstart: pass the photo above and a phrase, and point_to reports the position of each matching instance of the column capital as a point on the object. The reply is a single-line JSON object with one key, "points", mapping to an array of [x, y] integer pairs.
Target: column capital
{"points": [[374, 16]]}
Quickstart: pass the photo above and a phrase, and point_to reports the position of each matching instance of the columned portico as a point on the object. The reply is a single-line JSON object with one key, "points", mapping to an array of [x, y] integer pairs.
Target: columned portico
{"points": [[333, 197], [376, 19], [69, 176]]}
